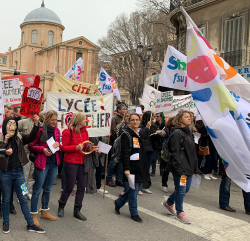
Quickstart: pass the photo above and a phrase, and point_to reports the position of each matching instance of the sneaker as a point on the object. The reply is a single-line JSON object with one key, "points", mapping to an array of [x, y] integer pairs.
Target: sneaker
{"points": [[140, 193], [6, 228], [170, 209], [229, 209], [146, 191], [101, 191], [212, 177], [110, 183], [29, 196], [164, 189], [34, 228], [207, 177], [183, 218], [137, 218]]}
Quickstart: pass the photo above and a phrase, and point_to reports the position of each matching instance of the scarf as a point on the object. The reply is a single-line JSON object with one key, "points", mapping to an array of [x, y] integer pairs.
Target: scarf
{"points": [[46, 128]]}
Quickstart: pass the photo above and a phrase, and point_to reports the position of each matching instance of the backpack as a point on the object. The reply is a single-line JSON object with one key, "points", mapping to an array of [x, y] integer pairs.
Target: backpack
{"points": [[117, 146], [165, 152]]}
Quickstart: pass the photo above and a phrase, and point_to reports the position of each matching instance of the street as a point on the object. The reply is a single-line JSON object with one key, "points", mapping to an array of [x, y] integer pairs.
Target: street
{"points": [[200, 206]]}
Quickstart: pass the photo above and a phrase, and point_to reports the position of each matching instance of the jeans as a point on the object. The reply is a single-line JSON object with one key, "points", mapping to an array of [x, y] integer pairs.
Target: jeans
{"points": [[74, 172], [7, 179], [246, 196], [119, 170], [130, 196], [150, 156], [43, 179], [224, 191], [178, 195]]}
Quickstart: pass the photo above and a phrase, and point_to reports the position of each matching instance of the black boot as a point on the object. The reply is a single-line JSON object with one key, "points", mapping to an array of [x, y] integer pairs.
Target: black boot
{"points": [[77, 213], [61, 206], [12, 208]]}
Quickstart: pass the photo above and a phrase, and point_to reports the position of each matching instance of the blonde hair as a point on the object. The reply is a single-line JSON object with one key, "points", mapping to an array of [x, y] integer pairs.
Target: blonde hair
{"points": [[49, 115], [178, 117], [75, 121]]}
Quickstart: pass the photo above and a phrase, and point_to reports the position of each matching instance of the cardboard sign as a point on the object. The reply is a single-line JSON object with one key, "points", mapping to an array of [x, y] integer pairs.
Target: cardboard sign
{"points": [[98, 110], [32, 99], [164, 101]]}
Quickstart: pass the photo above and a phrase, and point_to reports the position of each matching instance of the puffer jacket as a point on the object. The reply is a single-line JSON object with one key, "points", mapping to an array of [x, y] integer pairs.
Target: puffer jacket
{"points": [[183, 159], [70, 140], [38, 147]]}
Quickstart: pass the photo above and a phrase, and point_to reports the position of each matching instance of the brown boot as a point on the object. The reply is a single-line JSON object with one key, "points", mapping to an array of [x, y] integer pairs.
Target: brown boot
{"points": [[46, 215], [34, 216]]}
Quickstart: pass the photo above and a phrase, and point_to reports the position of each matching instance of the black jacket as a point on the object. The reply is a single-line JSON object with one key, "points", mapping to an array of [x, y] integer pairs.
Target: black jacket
{"points": [[139, 167], [145, 133], [182, 162]]}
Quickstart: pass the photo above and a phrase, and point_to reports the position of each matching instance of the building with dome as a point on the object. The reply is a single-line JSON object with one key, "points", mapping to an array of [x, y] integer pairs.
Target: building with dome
{"points": [[43, 52]]}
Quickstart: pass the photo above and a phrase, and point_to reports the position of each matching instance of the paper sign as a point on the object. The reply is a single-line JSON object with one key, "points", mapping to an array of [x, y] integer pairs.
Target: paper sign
{"points": [[183, 180], [50, 143], [196, 181], [138, 111], [131, 181], [30, 104], [164, 101], [136, 143], [197, 136], [24, 189], [135, 157], [104, 148]]}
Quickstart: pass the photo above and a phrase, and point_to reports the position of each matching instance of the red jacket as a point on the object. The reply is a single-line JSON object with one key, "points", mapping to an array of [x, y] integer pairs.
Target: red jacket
{"points": [[70, 140]]}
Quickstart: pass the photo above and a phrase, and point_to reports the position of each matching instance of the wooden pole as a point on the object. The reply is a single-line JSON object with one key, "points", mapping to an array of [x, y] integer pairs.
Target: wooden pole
{"points": [[106, 167], [154, 103]]}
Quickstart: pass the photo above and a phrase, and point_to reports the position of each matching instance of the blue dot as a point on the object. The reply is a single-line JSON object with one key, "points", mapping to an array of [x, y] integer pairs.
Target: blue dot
{"points": [[203, 95], [211, 133]]}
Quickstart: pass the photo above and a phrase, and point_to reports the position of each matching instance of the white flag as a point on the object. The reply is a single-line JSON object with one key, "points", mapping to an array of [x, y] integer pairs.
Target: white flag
{"points": [[75, 71]]}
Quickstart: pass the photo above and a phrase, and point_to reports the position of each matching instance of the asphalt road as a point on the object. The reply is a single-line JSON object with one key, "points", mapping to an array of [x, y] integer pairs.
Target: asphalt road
{"points": [[200, 206]]}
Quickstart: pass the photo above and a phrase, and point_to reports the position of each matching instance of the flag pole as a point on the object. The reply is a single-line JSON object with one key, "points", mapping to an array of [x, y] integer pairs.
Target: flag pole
{"points": [[154, 102], [106, 167], [189, 18]]}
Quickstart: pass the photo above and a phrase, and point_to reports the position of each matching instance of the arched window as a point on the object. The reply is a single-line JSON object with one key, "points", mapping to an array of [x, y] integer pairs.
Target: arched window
{"points": [[23, 38], [50, 38], [34, 37]]}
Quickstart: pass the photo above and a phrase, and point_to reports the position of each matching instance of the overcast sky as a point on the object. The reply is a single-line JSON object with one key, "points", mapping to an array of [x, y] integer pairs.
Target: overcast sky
{"points": [[88, 18]]}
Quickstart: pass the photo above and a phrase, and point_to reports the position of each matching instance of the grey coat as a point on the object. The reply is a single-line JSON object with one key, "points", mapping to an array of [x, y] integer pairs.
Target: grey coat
{"points": [[90, 161]]}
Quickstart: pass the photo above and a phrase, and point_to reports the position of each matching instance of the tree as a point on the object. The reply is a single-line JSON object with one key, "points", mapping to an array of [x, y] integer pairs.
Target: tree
{"points": [[119, 48]]}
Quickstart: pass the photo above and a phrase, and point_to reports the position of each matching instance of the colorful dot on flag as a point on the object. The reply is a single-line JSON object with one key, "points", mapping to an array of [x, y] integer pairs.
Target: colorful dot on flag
{"points": [[102, 100], [203, 95], [211, 133]]}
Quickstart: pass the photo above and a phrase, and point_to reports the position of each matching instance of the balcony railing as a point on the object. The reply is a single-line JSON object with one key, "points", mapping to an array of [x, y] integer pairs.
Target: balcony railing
{"points": [[184, 3], [234, 58]]}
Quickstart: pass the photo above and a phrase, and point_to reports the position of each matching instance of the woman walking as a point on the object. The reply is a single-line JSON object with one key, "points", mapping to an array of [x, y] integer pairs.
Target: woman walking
{"points": [[183, 164], [46, 164], [134, 161], [73, 165]]}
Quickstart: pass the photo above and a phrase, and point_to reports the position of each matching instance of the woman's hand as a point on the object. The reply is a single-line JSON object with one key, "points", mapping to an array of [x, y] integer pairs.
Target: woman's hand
{"points": [[194, 129], [127, 173], [56, 144], [47, 152], [7, 137], [36, 120], [79, 147], [94, 148], [149, 124], [9, 152]]}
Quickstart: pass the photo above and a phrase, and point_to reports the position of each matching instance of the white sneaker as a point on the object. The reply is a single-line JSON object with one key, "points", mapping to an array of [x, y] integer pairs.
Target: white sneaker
{"points": [[207, 177], [29, 196], [164, 189], [146, 191], [101, 191], [140, 193], [212, 177]]}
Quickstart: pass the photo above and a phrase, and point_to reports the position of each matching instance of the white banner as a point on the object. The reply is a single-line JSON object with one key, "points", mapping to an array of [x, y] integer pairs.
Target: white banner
{"points": [[108, 84], [174, 71], [75, 71], [184, 102], [11, 92], [98, 110], [164, 101]]}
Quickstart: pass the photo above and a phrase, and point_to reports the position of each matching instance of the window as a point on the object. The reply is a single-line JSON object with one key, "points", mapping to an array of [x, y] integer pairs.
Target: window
{"points": [[34, 37], [50, 38], [15, 64], [23, 38], [78, 55]]}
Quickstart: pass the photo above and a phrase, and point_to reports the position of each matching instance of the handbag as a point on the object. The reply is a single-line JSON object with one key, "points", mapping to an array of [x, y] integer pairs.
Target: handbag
{"points": [[32, 156], [204, 151]]}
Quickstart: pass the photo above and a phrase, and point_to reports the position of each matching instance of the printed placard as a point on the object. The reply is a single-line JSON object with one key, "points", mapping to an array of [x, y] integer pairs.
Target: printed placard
{"points": [[24, 189], [34, 93], [136, 143], [183, 180]]}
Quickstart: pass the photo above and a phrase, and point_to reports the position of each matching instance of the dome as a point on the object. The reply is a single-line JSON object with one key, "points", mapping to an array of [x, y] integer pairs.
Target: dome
{"points": [[42, 14]]}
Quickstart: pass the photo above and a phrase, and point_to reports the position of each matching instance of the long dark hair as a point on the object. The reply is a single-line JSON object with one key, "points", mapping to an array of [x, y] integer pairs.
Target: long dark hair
{"points": [[146, 116]]}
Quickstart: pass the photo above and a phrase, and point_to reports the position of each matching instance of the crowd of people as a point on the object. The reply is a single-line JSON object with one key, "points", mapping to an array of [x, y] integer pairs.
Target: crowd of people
{"points": [[29, 166]]}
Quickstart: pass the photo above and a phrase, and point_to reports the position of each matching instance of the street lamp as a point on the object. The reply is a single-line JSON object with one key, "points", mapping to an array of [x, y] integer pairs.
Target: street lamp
{"points": [[144, 59]]}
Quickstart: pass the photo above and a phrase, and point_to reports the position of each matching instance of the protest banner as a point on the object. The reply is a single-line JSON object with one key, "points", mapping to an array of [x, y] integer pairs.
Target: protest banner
{"points": [[164, 101], [65, 85], [32, 99], [108, 84], [75, 71], [98, 110], [26, 80], [11, 92], [184, 102]]}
